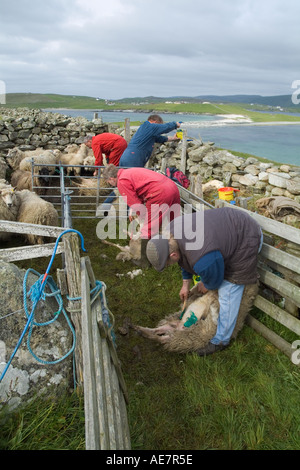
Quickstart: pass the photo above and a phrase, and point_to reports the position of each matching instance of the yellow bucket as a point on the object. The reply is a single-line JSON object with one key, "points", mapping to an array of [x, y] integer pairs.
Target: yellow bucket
{"points": [[226, 194], [179, 134]]}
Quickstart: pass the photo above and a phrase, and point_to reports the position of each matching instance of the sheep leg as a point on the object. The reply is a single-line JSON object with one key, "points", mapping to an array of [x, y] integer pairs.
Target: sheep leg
{"points": [[160, 334], [122, 248]]}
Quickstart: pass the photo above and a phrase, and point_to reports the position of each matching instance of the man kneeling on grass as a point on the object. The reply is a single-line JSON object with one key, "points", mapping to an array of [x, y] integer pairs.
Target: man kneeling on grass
{"points": [[219, 245]]}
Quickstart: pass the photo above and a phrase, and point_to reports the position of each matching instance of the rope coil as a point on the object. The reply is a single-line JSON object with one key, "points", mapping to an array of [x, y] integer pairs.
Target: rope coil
{"points": [[35, 295], [37, 292]]}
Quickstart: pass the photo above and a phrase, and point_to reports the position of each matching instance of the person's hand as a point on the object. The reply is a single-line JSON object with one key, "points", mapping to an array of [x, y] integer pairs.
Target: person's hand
{"points": [[201, 288], [130, 215], [95, 173], [173, 137], [185, 290]]}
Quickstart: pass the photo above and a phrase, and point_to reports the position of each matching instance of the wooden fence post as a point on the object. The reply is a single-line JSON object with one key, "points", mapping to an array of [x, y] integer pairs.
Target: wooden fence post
{"points": [[127, 130], [72, 262], [183, 152], [198, 186]]}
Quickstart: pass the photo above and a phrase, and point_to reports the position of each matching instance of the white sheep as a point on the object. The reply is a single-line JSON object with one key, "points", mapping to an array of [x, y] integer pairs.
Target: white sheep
{"points": [[15, 156], [75, 158], [132, 251], [175, 337], [35, 210], [9, 205], [88, 186], [48, 157], [71, 148], [88, 162], [23, 179], [212, 185]]}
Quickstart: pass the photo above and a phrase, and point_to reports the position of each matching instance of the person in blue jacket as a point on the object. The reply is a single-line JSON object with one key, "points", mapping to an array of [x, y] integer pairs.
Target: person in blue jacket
{"points": [[140, 147]]}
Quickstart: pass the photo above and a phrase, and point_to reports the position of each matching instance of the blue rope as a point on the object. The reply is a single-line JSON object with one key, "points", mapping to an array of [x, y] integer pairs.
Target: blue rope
{"points": [[99, 290], [33, 293], [36, 294]]}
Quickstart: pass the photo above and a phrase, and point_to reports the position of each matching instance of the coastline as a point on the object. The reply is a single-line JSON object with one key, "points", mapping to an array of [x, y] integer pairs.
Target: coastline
{"points": [[226, 119], [234, 132], [237, 119]]}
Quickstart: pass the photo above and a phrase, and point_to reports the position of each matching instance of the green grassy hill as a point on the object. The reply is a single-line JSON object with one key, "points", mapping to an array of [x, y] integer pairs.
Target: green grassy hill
{"points": [[36, 100], [148, 105]]}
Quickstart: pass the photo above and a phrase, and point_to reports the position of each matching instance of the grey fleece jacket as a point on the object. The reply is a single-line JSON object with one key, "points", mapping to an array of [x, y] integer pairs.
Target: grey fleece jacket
{"points": [[231, 231]]}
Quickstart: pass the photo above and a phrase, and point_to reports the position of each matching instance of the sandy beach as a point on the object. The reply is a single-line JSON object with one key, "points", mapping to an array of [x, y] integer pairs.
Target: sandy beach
{"points": [[235, 119]]}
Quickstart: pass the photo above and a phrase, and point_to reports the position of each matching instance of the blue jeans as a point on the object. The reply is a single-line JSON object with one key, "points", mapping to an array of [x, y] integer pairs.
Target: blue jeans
{"points": [[110, 199], [230, 297], [106, 205]]}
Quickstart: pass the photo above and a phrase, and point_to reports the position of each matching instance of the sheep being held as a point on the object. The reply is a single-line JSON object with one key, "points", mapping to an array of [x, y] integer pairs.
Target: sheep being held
{"points": [[89, 163], [198, 325], [73, 159]]}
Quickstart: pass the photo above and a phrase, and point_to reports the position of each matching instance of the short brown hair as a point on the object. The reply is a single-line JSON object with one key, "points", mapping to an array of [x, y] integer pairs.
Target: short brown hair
{"points": [[88, 138], [156, 118], [111, 171], [173, 245]]}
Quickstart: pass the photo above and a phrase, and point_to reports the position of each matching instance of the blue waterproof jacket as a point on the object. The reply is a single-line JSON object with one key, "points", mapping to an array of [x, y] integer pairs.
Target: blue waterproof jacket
{"points": [[140, 147]]}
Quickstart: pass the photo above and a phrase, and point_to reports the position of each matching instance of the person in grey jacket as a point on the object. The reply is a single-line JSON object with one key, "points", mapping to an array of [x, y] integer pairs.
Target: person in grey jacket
{"points": [[219, 245]]}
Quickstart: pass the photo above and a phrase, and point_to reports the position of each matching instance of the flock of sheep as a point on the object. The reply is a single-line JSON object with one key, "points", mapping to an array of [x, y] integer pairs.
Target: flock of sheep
{"points": [[19, 201]]}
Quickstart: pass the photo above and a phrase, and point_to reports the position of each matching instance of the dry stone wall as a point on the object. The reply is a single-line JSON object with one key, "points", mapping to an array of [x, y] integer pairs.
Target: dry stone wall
{"points": [[204, 159], [29, 129]]}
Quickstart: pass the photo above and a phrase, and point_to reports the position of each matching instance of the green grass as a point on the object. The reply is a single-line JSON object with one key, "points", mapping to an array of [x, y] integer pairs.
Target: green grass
{"points": [[243, 398], [45, 425], [36, 101]]}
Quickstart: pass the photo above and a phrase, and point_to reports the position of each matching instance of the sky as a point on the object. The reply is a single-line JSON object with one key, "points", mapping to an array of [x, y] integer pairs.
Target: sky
{"points": [[114, 49]]}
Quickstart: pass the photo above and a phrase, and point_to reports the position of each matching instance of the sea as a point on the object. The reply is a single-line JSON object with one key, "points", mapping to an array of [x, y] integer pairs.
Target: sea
{"points": [[279, 143]]}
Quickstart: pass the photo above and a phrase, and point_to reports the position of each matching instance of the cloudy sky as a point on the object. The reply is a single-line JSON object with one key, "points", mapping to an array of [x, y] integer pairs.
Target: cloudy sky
{"points": [[115, 48]]}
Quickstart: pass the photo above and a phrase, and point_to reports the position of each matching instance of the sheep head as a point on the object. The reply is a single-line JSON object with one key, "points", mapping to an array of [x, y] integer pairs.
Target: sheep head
{"points": [[44, 176], [7, 194]]}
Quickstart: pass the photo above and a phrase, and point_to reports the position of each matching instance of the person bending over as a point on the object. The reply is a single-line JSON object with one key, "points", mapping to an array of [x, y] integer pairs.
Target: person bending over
{"points": [[219, 245]]}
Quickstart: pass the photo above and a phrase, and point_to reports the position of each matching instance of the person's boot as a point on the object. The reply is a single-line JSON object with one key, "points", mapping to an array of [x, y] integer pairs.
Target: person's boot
{"points": [[211, 348]]}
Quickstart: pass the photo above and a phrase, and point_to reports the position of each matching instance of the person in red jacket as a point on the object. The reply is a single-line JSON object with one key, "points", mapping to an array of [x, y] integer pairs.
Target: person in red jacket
{"points": [[147, 193], [111, 145]]}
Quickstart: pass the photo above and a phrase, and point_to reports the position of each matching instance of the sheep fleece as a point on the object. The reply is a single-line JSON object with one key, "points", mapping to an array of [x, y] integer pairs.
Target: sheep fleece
{"points": [[34, 210], [198, 335]]}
